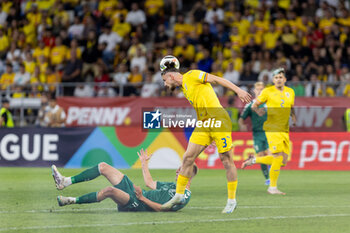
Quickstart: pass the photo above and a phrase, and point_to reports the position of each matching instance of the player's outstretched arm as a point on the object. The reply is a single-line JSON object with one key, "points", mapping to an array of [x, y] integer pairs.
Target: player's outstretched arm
{"points": [[259, 111], [154, 205], [144, 157], [243, 95]]}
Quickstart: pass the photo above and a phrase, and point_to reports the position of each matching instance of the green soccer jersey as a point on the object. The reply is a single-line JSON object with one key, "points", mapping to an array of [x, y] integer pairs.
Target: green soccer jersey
{"points": [[164, 192], [257, 121]]}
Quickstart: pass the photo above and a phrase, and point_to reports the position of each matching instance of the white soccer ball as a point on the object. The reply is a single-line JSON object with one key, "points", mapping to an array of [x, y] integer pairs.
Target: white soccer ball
{"points": [[168, 62]]}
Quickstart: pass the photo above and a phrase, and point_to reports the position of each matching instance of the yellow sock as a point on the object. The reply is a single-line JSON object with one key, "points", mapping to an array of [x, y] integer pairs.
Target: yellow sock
{"points": [[264, 159], [275, 170], [231, 189], [181, 184]]}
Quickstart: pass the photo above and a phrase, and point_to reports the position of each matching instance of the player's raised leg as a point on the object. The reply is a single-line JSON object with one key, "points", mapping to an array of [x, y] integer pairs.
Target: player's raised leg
{"points": [[231, 175], [193, 150], [118, 196], [276, 161], [113, 175]]}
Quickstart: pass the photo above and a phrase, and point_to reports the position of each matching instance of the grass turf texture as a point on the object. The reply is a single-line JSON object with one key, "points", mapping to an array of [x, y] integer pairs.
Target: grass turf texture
{"points": [[316, 201]]}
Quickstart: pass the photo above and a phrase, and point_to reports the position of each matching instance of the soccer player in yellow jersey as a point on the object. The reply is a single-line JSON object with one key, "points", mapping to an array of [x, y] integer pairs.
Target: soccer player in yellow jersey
{"points": [[196, 86], [279, 100]]}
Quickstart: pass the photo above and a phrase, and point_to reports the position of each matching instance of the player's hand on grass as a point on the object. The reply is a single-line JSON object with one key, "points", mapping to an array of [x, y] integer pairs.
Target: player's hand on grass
{"points": [[138, 192], [244, 96], [143, 155]]}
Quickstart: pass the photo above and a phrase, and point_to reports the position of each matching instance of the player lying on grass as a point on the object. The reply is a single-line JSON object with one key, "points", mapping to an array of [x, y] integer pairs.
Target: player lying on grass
{"points": [[123, 192], [279, 100], [261, 145]]}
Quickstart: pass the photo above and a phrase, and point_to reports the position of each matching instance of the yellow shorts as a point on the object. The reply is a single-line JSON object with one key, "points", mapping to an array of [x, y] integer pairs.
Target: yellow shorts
{"points": [[278, 142], [223, 140]]}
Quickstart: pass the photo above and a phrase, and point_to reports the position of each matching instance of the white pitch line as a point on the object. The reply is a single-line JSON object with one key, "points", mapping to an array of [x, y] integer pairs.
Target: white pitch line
{"points": [[190, 207], [171, 222]]}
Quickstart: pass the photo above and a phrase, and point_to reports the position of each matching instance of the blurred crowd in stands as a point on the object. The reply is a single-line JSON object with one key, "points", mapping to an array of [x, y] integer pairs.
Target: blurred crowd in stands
{"points": [[117, 44]]}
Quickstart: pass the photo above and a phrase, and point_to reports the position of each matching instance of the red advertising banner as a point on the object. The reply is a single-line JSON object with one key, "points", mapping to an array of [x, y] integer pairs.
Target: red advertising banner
{"points": [[309, 151], [313, 114]]}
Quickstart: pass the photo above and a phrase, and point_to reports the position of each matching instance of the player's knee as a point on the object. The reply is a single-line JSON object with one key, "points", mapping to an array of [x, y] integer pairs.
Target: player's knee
{"points": [[225, 159], [102, 167], [108, 191], [188, 161]]}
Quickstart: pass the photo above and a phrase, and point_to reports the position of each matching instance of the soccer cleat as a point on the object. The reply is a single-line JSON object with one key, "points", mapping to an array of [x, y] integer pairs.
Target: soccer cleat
{"points": [[267, 182], [62, 201], [230, 207], [58, 178], [248, 162], [274, 190], [178, 199]]}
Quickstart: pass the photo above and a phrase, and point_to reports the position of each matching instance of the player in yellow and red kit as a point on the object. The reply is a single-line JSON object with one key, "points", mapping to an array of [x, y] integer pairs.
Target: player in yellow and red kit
{"points": [[196, 86], [279, 100]]}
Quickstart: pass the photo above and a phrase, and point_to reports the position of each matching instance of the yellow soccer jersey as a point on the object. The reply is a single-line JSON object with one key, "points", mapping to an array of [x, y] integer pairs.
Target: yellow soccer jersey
{"points": [[200, 94], [279, 104]]}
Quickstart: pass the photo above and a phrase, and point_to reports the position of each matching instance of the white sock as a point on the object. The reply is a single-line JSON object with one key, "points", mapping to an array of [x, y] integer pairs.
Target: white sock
{"points": [[253, 160], [67, 181], [231, 201]]}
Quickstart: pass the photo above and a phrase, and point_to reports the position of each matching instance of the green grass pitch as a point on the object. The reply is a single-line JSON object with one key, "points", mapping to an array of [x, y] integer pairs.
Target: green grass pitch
{"points": [[316, 201]]}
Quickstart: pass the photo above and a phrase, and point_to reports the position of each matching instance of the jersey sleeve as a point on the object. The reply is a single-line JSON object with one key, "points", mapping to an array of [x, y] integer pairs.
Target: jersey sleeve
{"points": [[264, 95], [246, 111]]}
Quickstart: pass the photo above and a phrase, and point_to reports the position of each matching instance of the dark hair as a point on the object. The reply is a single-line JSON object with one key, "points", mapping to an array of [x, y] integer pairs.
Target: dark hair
{"points": [[5, 100]]}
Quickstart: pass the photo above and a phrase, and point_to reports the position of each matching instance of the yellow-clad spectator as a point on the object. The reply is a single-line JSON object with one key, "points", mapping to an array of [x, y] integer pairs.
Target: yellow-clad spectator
{"points": [[120, 10], [41, 50], [252, 34], [236, 39], [135, 45], [241, 23], [199, 54], [270, 38], [216, 70], [261, 24], [229, 14], [186, 50], [327, 22], [42, 63], [303, 22], [29, 63], [6, 5], [52, 78], [344, 35], [135, 76], [236, 60], [252, 3], [280, 22], [344, 20], [288, 37], [181, 28], [73, 47], [107, 7], [58, 52], [154, 7], [30, 32], [41, 4], [121, 27], [284, 4], [38, 79], [292, 21], [346, 91], [62, 14], [226, 51], [34, 16], [4, 43], [7, 78]]}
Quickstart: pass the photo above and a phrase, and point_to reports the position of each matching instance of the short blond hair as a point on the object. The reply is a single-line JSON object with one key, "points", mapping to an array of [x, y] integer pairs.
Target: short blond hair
{"points": [[257, 84]]}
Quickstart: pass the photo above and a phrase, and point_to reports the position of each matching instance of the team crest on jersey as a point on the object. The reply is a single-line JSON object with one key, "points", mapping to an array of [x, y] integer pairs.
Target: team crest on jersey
{"points": [[287, 94]]}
